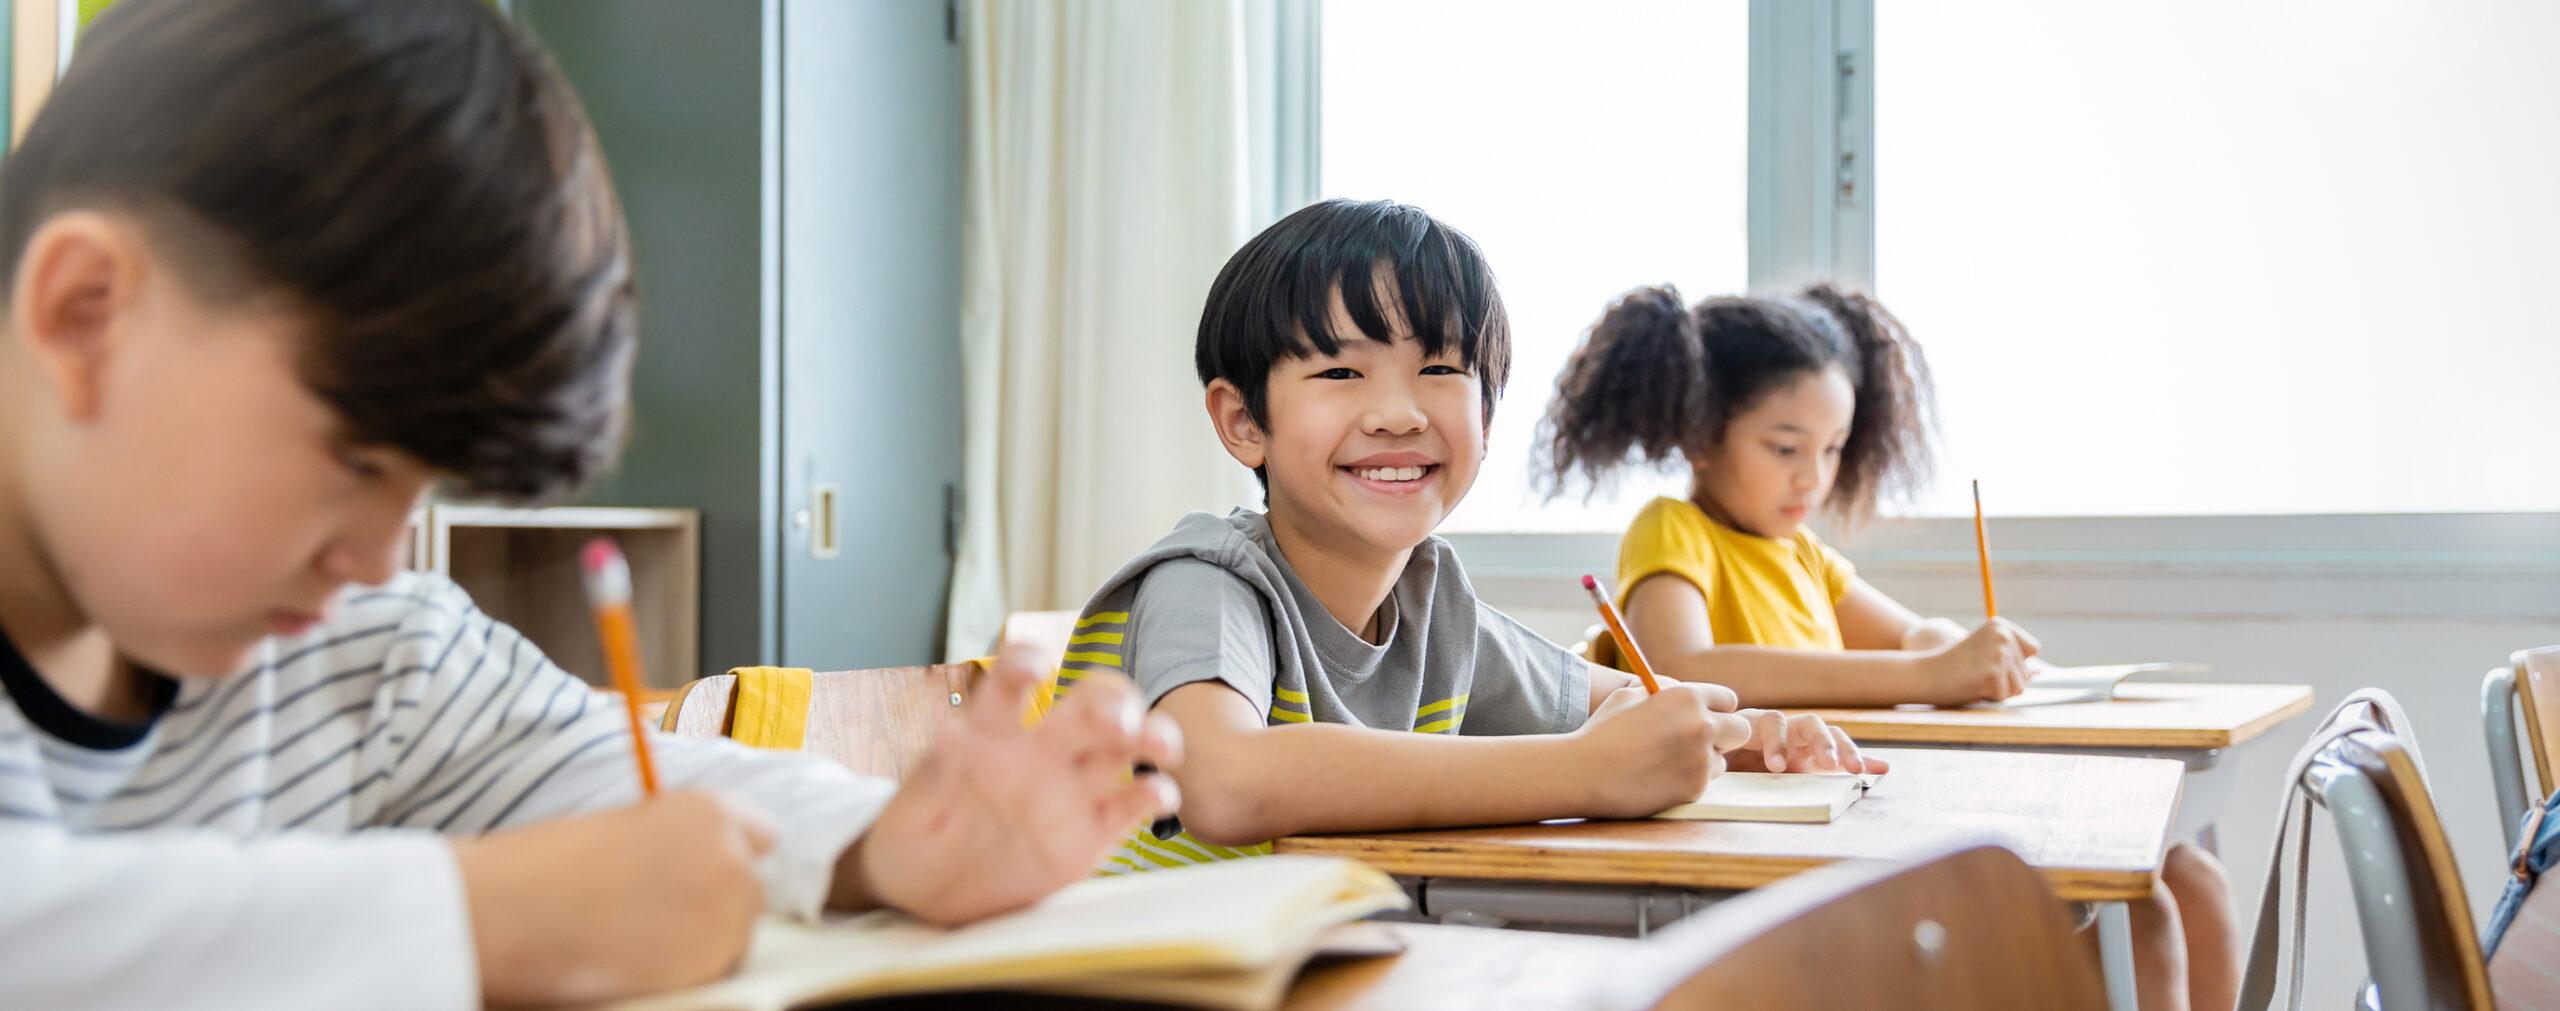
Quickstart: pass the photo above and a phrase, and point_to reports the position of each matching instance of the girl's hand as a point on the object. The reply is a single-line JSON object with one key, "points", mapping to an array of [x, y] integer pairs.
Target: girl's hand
{"points": [[1988, 665], [1932, 635]]}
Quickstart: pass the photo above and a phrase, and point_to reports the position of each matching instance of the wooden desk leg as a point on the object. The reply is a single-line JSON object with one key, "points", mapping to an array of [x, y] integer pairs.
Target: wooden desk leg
{"points": [[2115, 954]]}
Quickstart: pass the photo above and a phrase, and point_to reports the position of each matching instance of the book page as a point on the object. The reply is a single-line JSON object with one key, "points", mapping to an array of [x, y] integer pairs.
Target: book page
{"points": [[1231, 916], [2088, 684], [1774, 796]]}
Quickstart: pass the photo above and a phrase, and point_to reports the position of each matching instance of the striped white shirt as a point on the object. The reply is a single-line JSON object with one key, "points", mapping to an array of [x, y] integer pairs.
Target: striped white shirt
{"points": [[276, 838]]}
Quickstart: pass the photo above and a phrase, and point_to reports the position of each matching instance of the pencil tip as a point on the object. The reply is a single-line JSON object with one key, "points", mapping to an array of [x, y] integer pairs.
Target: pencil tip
{"points": [[1589, 583]]}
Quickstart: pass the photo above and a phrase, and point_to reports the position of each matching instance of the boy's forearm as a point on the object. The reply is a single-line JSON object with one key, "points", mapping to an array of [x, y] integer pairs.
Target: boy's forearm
{"points": [[1770, 678], [1319, 777]]}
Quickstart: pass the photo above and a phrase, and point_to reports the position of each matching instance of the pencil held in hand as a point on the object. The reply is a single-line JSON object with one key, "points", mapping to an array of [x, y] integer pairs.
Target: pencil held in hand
{"points": [[609, 592], [1982, 549], [1618, 631]]}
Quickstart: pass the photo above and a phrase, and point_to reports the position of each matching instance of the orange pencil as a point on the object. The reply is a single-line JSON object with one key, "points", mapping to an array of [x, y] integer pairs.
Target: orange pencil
{"points": [[609, 592], [1618, 631], [1982, 548]]}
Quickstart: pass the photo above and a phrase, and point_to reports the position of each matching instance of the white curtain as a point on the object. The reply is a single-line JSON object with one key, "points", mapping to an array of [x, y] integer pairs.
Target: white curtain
{"points": [[1114, 160]]}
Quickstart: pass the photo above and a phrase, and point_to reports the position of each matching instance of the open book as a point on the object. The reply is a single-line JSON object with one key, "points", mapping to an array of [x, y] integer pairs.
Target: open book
{"points": [[1775, 796], [2089, 684], [1224, 935]]}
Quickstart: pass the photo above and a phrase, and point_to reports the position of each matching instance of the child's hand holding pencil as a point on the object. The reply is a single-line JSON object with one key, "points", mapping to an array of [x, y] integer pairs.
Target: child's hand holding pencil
{"points": [[997, 815], [1687, 719]]}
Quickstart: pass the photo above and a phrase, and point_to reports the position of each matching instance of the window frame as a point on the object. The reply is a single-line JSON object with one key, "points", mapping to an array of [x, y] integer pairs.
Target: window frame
{"points": [[1811, 209]]}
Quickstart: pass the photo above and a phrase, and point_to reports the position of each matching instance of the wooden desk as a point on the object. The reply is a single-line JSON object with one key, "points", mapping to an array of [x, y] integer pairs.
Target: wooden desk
{"points": [[2192, 723], [2148, 715], [2096, 826]]}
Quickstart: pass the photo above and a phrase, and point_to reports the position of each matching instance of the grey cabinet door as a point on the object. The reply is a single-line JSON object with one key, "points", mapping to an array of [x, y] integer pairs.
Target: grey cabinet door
{"points": [[870, 296]]}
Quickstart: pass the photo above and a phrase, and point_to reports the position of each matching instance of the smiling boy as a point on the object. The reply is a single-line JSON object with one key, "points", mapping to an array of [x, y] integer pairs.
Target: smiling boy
{"points": [[1327, 661]]}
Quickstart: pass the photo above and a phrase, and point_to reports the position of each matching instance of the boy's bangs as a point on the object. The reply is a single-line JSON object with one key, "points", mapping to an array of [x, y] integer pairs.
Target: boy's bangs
{"points": [[1422, 283]]}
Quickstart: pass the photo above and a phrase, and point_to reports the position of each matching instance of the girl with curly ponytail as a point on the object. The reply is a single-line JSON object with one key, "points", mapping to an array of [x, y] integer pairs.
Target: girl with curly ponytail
{"points": [[1783, 407]]}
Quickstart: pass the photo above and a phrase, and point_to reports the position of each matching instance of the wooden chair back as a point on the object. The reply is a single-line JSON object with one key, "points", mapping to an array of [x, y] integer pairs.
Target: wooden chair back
{"points": [[1597, 647], [876, 722], [1975, 928], [2537, 673]]}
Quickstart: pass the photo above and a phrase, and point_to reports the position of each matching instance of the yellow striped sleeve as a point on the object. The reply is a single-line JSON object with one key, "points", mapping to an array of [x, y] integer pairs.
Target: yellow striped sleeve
{"points": [[1112, 638], [1441, 706], [1290, 696], [1152, 857], [1286, 716], [1109, 658], [1103, 618]]}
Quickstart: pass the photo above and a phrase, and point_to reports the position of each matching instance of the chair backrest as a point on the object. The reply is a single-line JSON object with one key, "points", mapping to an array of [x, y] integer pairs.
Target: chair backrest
{"points": [[875, 722], [2416, 921], [1597, 647], [2537, 686], [1975, 928]]}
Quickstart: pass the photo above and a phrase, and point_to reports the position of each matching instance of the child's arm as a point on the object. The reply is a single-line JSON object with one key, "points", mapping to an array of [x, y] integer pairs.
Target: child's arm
{"points": [[1244, 782], [1871, 620], [579, 890], [1779, 742], [1668, 617], [178, 918]]}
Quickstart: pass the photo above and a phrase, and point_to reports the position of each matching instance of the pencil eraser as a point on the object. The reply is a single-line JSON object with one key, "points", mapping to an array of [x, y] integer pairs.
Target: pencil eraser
{"points": [[608, 576], [1590, 584]]}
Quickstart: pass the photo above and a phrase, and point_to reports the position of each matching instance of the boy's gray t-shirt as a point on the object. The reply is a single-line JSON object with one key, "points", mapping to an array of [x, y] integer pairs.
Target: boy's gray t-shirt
{"points": [[1215, 601]]}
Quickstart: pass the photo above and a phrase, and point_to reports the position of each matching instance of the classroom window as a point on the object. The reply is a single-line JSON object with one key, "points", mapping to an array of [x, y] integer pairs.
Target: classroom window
{"points": [[1588, 147], [2209, 258]]}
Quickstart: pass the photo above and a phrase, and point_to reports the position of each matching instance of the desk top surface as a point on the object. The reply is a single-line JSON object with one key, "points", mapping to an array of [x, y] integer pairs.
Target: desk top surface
{"points": [[2096, 826], [2155, 714]]}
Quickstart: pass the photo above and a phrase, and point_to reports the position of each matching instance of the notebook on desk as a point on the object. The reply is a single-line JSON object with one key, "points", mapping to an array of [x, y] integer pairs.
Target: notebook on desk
{"points": [[1224, 935], [1805, 797], [2059, 685]]}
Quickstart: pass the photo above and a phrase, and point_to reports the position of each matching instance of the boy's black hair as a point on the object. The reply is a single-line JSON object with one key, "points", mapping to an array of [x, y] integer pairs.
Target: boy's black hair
{"points": [[1273, 301], [415, 179]]}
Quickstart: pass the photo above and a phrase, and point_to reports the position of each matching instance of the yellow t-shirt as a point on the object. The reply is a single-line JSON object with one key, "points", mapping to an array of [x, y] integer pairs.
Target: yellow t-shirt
{"points": [[1760, 591]]}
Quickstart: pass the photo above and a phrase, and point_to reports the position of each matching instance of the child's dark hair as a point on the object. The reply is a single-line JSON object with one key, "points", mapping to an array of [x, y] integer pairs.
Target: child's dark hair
{"points": [[1273, 301], [1656, 381], [411, 175]]}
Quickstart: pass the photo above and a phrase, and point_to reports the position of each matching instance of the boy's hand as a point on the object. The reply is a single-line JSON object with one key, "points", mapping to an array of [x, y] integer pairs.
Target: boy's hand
{"points": [[1798, 743], [997, 816], [657, 895], [1989, 664], [1644, 753]]}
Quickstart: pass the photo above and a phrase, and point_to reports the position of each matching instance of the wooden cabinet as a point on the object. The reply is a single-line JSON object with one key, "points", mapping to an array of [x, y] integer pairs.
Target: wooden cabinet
{"points": [[521, 566]]}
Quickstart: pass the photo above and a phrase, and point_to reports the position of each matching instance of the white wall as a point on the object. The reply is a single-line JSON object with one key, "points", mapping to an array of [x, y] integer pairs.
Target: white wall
{"points": [[2421, 606]]}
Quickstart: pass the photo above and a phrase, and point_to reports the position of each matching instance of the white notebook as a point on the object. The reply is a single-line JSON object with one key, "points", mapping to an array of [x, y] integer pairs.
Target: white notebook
{"points": [[1223, 935], [1775, 796], [2059, 685]]}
